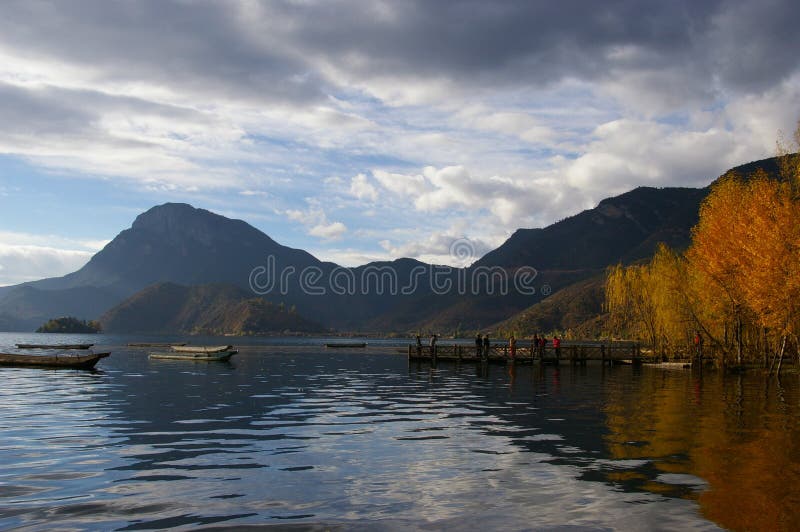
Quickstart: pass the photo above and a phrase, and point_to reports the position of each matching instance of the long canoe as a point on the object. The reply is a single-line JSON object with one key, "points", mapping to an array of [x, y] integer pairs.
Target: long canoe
{"points": [[155, 344], [343, 344], [201, 348], [218, 356], [54, 346], [84, 361]]}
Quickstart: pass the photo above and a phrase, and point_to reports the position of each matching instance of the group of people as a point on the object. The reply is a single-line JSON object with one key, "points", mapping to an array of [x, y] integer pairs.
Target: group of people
{"points": [[538, 345], [483, 345]]}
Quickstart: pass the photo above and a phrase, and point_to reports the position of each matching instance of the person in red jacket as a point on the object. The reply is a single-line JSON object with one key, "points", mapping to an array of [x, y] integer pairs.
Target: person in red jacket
{"points": [[557, 346], [698, 345]]}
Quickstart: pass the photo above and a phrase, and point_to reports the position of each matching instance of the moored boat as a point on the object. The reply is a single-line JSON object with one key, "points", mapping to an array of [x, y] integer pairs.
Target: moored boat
{"points": [[155, 344], [346, 344], [216, 356], [201, 348], [61, 360], [54, 346]]}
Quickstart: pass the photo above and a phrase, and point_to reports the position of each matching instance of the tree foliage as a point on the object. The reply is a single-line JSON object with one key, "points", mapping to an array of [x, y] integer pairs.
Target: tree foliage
{"points": [[69, 324], [738, 284]]}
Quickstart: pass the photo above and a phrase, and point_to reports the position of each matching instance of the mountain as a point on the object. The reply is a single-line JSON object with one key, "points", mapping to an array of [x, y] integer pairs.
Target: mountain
{"points": [[173, 242], [205, 309], [577, 308], [623, 228], [177, 243]]}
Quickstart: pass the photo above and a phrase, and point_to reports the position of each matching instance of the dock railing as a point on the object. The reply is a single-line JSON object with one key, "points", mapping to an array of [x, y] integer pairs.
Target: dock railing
{"points": [[576, 353]]}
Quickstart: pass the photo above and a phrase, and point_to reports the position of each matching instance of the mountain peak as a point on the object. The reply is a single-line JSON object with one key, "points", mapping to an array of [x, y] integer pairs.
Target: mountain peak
{"points": [[162, 217]]}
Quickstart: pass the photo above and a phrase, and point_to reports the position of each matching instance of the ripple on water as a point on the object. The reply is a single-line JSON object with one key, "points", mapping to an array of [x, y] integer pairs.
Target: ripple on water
{"points": [[324, 440]]}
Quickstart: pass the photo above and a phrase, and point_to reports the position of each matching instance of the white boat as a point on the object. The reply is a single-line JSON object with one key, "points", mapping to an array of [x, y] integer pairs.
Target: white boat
{"points": [[220, 356], [201, 348]]}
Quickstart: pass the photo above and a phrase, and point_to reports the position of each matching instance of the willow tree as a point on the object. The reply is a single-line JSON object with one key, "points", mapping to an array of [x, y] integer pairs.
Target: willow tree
{"points": [[644, 301]]}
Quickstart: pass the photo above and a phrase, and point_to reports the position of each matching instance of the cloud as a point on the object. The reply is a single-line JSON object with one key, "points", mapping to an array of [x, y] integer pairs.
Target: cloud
{"points": [[28, 257], [330, 231], [361, 188], [19, 264], [400, 184], [441, 248], [518, 115], [317, 222]]}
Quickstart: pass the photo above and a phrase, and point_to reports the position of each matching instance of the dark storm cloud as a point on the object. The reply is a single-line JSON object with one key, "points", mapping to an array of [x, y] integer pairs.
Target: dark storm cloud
{"points": [[200, 48], [285, 51], [532, 41]]}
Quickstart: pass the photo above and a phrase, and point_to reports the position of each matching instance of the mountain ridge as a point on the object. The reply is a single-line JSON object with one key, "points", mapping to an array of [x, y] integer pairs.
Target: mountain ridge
{"points": [[178, 243], [214, 309]]}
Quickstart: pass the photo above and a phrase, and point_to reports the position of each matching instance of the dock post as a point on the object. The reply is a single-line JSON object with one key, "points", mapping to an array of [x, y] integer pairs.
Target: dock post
{"points": [[603, 354], [409, 351]]}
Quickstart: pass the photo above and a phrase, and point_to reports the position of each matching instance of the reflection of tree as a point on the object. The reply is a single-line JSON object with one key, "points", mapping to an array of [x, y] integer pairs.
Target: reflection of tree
{"points": [[744, 443]]}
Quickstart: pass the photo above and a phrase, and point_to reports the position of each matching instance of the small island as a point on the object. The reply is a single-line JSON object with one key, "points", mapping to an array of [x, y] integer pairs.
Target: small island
{"points": [[69, 324]]}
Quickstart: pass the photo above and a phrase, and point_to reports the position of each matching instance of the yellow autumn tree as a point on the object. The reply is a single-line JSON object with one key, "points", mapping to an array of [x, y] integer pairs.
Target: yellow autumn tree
{"points": [[645, 302], [714, 259]]}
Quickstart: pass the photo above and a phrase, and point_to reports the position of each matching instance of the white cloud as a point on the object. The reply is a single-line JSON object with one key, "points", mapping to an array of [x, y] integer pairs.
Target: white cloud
{"points": [[361, 188], [401, 184], [331, 231], [317, 222], [441, 248], [28, 257]]}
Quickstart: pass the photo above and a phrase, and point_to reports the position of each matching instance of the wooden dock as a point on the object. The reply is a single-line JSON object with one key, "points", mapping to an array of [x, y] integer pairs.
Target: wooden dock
{"points": [[577, 354]]}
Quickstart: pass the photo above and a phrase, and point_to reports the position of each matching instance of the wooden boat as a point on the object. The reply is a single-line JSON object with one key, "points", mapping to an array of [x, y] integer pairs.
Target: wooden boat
{"points": [[201, 348], [345, 344], [155, 344], [216, 356], [61, 360], [54, 346]]}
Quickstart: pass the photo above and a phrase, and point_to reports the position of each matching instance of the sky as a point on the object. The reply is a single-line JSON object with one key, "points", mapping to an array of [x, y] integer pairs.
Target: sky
{"points": [[372, 130]]}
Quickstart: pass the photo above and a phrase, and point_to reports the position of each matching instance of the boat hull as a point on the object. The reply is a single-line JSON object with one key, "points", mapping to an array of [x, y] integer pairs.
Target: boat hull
{"points": [[344, 346], [196, 357], [66, 361], [54, 346], [201, 348]]}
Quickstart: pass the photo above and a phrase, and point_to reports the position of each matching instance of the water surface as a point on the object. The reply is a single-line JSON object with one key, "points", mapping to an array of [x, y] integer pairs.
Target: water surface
{"points": [[289, 433]]}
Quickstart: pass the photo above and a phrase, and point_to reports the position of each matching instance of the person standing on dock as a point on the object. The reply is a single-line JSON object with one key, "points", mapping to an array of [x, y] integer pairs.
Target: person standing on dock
{"points": [[486, 346], [557, 346], [419, 345], [698, 345], [512, 346], [433, 345], [478, 345], [535, 345]]}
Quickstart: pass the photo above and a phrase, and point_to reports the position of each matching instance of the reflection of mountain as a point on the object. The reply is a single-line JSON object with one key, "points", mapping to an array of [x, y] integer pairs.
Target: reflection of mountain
{"points": [[179, 244]]}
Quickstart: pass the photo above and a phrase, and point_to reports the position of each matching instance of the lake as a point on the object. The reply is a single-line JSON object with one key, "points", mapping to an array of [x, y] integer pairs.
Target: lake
{"points": [[288, 434]]}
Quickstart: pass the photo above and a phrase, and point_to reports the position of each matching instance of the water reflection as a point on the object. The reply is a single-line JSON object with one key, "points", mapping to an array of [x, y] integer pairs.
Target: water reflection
{"points": [[734, 437], [333, 439]]}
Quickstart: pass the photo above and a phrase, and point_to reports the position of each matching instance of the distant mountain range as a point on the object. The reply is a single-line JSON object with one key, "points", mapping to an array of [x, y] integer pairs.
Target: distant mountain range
{"points": [[201, 265]]}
